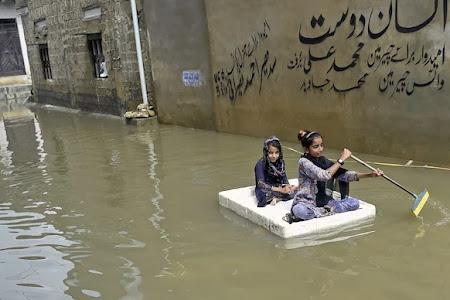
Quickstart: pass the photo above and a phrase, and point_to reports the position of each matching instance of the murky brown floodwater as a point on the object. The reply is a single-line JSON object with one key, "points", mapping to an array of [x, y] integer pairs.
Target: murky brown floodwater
{"points": [[91, 208]]}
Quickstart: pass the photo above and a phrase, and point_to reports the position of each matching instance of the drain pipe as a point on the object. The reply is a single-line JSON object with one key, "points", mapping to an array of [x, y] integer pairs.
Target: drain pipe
{"points": [[139, 51]]}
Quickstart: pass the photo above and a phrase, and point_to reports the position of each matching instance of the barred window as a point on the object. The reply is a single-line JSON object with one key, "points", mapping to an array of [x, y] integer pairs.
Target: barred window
{"points": [[45, 59], [98, 58]]}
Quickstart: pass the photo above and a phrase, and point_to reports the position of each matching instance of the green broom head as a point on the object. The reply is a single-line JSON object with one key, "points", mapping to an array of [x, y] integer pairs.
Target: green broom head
{"points": [[420, 202]]}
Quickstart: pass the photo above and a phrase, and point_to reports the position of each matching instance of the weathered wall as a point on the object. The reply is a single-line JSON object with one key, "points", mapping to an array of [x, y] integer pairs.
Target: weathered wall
{"points": [[369, 75], [7, 10], [179, 42], [74, 84]]}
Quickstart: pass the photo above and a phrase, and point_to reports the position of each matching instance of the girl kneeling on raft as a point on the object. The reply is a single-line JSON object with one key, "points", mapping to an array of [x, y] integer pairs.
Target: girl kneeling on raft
{"points": [[311, 200], [272, 184]]}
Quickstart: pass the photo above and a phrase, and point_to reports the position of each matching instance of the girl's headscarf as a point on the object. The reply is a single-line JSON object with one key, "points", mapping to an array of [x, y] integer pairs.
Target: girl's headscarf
{"points": [[277, 168]]}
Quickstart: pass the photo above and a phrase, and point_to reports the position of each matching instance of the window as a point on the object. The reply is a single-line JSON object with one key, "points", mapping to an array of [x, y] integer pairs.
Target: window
{"points": [[98, 58], [91, 13], [45, 58], [40, 23]]}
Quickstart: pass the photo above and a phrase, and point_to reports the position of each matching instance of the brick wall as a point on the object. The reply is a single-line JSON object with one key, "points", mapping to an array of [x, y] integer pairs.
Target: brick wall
{"points": [[62, 26]]}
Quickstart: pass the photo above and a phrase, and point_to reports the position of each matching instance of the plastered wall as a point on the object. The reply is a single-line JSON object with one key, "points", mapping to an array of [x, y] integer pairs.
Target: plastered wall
{"points": [[369, 75], [179, 45]]}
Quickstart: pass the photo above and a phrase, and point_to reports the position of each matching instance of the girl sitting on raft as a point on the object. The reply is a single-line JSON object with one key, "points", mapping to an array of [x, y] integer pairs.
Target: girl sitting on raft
{"points": [[272, 184], [311, 200]]}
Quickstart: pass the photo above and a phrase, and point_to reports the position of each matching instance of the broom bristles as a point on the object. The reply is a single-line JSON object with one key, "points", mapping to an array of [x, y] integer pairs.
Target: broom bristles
{"points": [[420, 202]]}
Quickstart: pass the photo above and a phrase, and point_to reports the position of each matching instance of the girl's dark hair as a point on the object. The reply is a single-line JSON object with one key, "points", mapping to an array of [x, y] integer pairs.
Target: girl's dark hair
{"points": [[275, 143], [307, 137]]}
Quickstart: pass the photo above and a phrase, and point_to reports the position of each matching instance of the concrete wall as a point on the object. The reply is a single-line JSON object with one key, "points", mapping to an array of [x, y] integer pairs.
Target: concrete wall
{"points": [[23, 45], [178, 37], [74, 84], [369, 75], [7, 9]]}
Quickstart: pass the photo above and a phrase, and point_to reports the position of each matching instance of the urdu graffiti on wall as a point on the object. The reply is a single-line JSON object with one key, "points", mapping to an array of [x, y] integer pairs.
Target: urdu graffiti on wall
{"points": [[429, 64], [248, 67], [401, 68]]}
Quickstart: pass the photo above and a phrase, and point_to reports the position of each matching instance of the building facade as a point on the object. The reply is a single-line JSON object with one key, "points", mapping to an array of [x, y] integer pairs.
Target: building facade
{"points": [[369, 75], [83, 54]]}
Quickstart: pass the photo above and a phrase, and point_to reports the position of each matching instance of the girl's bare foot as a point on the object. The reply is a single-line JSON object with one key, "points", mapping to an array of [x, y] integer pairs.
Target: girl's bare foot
{"points": [[274, 201]]}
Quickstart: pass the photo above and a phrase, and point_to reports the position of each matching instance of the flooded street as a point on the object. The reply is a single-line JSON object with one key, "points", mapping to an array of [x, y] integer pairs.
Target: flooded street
{"points": [[92, 208]]}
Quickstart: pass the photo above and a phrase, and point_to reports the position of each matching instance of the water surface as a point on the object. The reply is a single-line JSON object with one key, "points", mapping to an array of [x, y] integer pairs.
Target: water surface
{"points": [[92, 208]]}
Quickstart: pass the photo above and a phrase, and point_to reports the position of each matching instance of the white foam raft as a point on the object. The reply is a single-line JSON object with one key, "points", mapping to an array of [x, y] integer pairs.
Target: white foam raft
{"points": [[244, 203]]}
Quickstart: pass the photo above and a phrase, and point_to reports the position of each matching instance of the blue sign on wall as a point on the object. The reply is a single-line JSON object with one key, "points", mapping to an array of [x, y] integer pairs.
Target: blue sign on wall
{"points": [[192, 78]]}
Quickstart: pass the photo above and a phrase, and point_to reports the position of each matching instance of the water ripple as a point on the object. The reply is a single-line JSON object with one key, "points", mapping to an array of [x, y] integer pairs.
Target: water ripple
{"points": [[32, 267]]}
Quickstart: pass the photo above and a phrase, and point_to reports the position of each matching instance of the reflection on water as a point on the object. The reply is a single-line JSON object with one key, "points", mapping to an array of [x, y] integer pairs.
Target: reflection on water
{"points": [[5, 154], [32, 264], [346, 232], [157, 217], [91, 208]]}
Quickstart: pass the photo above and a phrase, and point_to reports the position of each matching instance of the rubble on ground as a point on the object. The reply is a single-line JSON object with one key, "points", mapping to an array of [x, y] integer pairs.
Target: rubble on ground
{"points": [[142, 111]]}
